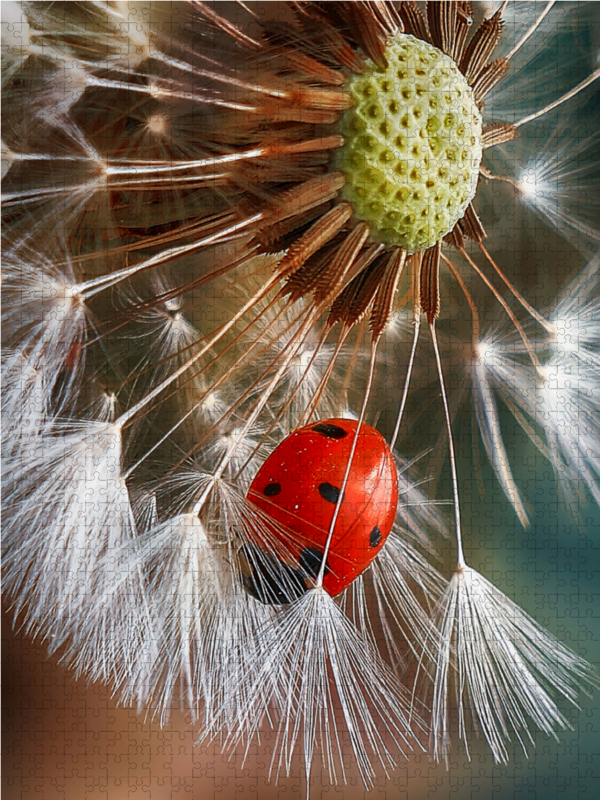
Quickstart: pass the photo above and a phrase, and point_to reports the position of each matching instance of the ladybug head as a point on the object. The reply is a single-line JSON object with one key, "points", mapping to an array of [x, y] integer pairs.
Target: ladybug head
{"points": [[274, 582]]}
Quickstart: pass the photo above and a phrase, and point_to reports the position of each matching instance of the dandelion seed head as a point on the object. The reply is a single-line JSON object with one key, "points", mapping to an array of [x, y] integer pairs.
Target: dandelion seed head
{"points": [[412, 145]]}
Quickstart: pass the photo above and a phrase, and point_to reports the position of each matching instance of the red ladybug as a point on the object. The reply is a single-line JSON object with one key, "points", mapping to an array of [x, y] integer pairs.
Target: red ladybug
{"points": [[298, 487]]}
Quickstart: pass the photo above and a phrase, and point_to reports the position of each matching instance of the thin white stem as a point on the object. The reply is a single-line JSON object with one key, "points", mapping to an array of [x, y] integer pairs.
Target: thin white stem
{"points": [[580, 86], [134, 410], [127, 167], [289, 401], [45, 157], [224, 24], [156, 91], [189, 181], [529, 308], [95, 285], [411, 361], [240, 399], [338, 505], [506, 307], [256, 412], [33, 195], [213, 386], [316, 398], [460, 556], [531, 30], [220, 77]]}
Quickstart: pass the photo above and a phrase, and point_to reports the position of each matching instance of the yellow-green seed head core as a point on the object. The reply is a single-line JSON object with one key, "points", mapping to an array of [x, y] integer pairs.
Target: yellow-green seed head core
{"points": [[412, 145]]}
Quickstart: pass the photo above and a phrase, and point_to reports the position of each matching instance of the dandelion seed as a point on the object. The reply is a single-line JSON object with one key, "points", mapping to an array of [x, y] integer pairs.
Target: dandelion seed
{"points": [[65, 486], [507, 668], [46, 322], [556, 405], [554, 180], [196, 626], [312, 661]]}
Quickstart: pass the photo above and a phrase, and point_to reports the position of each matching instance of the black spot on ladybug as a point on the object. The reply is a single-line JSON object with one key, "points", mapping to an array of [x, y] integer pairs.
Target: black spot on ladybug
{"points": [[329, 492], [330, 431], [375, 537], [267, 579], [310, 561], [272, 489]]}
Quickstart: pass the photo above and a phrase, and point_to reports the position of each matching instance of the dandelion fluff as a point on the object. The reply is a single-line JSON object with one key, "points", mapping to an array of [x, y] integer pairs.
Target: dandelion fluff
{"points": [[569, 393], [507, 669], [556, 403], [200, 620], [400, 569], [65, 488], [45, 321], [315, 665]]}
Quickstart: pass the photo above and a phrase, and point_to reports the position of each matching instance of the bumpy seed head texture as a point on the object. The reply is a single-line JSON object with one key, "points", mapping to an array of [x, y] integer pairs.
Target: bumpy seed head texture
{"points": [[412, 145]]}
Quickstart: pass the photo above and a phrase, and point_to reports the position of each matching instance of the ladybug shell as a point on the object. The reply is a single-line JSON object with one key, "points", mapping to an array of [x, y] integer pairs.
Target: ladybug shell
{"points": [[299, 484]]}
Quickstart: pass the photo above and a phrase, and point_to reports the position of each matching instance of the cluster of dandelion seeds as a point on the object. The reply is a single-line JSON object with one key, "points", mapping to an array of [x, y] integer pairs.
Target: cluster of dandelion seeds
{"points": [[226, 222]]}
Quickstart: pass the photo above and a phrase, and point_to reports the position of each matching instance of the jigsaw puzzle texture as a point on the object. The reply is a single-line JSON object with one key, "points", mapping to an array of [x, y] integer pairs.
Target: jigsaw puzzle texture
{"points": [[301, 400]]}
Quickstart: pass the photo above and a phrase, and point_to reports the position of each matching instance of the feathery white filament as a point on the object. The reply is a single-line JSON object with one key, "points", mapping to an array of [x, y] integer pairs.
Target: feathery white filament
{"points": [[506, 667], [138, 190], [198, 617], [559, 101], [64, 487], [314, 664]]}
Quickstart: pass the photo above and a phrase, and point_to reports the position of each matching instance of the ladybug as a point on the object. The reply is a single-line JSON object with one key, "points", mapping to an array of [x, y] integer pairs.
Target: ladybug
{"points": [[297, 489]]}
